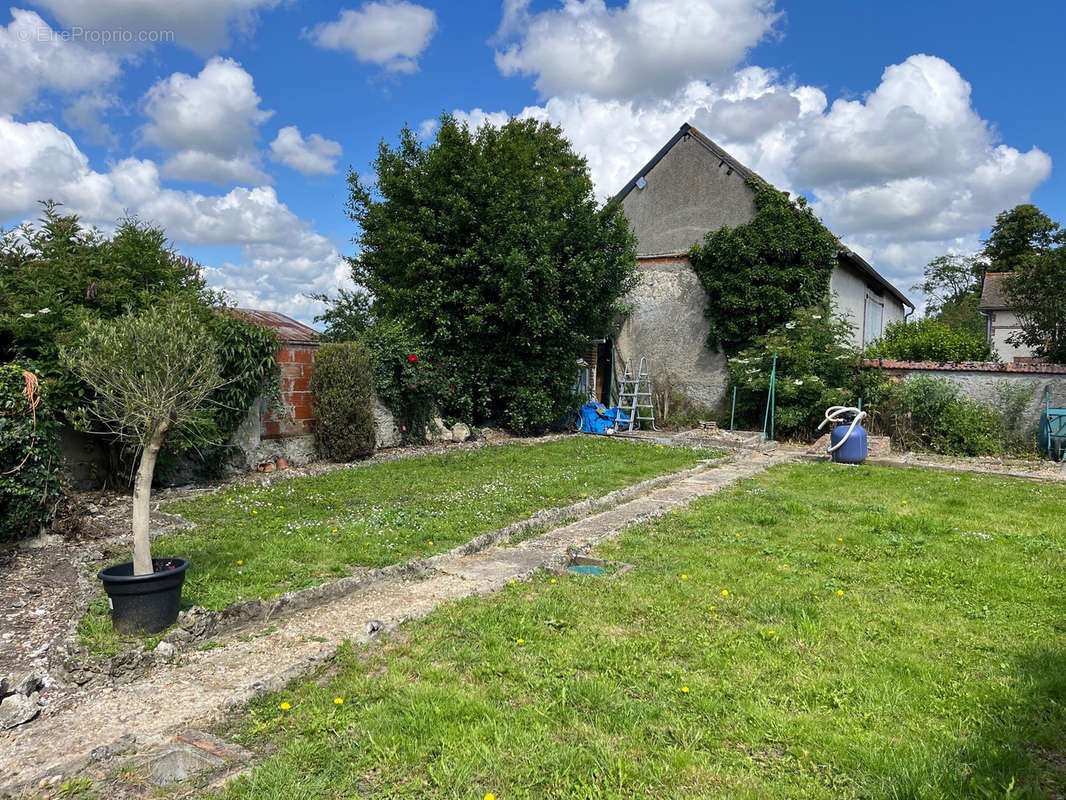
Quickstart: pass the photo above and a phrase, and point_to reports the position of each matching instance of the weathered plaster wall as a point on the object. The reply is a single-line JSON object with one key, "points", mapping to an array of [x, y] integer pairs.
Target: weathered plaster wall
{"points": [[983, 382], [668, 326], [687, 194]]}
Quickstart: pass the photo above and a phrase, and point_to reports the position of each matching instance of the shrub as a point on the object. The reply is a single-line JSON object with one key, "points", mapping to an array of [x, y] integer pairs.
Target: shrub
{"points": [[29, 455], [491, 245], [924, 413], [929, 340], [674, 408], [342, 389], [816, 366], [407, 377]]}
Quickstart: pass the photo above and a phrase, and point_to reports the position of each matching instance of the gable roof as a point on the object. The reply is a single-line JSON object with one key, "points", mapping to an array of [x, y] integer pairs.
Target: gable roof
{"points": [[687, 131], [863, 266], [993, 295], [289, 330], [725, 159]]}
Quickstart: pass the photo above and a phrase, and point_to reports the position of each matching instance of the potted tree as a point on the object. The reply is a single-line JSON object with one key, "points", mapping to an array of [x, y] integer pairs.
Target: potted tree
{"points": [[152, 374]]}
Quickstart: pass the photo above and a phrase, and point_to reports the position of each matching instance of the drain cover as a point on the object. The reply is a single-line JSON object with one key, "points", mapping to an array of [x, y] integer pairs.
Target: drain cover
{"points": [[587, 569]]}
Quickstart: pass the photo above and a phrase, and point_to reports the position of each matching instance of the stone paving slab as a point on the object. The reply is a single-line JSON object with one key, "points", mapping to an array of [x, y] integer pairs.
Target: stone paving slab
{"points": [[193, 691]]}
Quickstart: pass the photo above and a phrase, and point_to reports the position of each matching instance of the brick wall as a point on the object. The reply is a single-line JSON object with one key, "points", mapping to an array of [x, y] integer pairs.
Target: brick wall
{"points": [[295, 363]]}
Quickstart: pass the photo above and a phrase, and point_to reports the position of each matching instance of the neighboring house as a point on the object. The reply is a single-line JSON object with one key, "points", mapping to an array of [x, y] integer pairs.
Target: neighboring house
{"points": [[689, 188], [1000, 321]]}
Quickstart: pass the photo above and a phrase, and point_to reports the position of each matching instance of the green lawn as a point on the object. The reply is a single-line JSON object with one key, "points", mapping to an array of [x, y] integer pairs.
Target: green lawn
{"points": [[819, 632], [259, 541]]}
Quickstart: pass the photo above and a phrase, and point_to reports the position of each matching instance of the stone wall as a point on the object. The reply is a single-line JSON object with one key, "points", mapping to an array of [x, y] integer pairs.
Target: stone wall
{"points": [[982, 381], [668, 326]]}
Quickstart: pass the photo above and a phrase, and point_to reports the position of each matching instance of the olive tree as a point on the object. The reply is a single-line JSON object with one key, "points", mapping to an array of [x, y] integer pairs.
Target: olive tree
{"points": [[152, 374]]}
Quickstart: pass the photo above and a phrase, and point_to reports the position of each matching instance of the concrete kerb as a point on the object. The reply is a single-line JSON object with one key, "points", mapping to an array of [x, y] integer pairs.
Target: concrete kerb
{"points": [[198, 624]]}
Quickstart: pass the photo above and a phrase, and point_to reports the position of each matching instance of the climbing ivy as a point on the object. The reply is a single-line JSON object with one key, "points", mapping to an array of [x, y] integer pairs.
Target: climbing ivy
{"points": [[758, 274]]}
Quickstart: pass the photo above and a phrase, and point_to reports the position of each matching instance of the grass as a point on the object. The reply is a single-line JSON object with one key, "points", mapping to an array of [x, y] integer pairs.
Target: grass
{"points": [[262, 541], [819, 632]]}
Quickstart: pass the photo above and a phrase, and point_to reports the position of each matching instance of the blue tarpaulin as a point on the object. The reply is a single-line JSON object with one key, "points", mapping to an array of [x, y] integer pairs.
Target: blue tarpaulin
{"points": [[597, 418]]}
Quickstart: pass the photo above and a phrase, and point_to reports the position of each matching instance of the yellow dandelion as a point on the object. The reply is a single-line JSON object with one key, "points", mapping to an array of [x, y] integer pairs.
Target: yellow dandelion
{"points": [[430, 542], [282, 507], [770, 633], [334, 530], [840, 592], [904, 502], [712, 608], [338, 701], [840, 539], [725, 593], [785, 566], [554, 581], [512, 581], [285, 706], [684, 690], [490, 796], [240, 562], [684, 577], [520, 641]]}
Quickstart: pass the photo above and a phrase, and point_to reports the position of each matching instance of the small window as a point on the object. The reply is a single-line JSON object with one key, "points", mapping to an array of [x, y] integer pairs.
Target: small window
{"points": [[874, 317]]}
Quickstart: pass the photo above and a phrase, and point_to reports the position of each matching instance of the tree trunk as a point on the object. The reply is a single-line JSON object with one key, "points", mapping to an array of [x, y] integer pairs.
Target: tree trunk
{"points": [[142, 495]]}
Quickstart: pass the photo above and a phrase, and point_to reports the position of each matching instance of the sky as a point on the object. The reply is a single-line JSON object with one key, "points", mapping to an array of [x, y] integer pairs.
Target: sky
{"points": [[233, 123]]}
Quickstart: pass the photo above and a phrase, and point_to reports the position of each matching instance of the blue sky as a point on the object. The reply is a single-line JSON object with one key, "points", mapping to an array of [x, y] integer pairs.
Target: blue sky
{"points": [[909, 125]]}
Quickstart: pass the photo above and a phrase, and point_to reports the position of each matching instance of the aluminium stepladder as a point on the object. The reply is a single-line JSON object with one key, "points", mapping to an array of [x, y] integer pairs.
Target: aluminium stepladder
{"points": [[635, 396]]}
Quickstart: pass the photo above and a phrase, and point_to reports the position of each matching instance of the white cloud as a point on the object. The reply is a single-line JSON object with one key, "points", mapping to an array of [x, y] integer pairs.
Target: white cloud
{"points": [[33, 58], [646, 47], [215, 112], [85, 113], [391, 34], [282, 256], [210, 121], [311, 156], [201, 25], [196, 165]]}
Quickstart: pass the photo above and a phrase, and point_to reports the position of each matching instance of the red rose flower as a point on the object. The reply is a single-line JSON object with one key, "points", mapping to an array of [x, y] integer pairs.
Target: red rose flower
{"points": [[412, 358]]}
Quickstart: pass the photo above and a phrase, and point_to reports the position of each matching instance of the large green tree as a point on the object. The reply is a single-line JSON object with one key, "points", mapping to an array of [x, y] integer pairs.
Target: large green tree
{"points": [[757, 275], [1020, 234], [1037, 292], [952, 288], [491, 245], [1028, 243]]}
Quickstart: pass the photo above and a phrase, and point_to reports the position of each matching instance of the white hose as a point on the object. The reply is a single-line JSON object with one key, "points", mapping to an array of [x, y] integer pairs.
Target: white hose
{"points": [[834, 413]]}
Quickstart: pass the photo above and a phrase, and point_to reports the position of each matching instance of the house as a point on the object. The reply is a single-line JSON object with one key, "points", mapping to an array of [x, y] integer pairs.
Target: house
{"points": [[1000, 321], [690, 187]]}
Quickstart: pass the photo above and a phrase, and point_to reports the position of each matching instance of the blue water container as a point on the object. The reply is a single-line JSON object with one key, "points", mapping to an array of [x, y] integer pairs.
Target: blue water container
{"points": [[853, 451]]}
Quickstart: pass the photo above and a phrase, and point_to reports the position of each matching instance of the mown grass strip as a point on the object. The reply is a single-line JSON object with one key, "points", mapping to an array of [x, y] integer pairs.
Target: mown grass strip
{"points": [[819, 632]]}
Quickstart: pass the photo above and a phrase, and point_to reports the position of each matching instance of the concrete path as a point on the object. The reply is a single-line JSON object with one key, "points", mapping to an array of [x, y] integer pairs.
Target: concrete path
{"points": [[174, 697]]}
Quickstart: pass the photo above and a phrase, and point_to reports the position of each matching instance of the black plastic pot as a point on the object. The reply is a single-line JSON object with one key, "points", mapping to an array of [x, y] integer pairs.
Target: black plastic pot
{"points": [[144, 603]]}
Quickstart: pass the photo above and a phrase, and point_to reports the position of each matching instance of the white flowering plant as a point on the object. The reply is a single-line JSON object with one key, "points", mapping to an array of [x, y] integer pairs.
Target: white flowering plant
{"points": [[816, 368]]}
